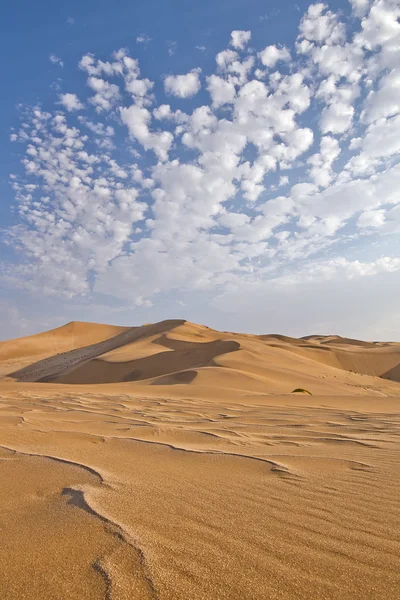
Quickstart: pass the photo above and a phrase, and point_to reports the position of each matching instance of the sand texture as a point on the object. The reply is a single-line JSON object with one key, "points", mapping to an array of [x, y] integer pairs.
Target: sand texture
{"points": [[173, 462]]}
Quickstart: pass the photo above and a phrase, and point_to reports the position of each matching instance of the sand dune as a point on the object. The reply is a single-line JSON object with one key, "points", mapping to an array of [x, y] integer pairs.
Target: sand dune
{"points": [[66, 361], [171, 461], [62, 339], [171, 347]]}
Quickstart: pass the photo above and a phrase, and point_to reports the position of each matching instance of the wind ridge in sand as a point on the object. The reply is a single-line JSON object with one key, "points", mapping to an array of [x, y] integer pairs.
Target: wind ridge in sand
{"points": [[77, 497], [171, 461]]}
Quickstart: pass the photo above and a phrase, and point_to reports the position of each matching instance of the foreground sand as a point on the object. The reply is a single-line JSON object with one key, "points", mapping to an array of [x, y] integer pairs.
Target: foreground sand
{"points": [[201, 476]]}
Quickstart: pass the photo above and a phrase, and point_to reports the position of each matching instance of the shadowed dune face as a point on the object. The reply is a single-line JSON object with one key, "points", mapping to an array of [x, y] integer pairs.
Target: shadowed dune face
{"points": [[149, 367], [195, 472], [393, 374]]}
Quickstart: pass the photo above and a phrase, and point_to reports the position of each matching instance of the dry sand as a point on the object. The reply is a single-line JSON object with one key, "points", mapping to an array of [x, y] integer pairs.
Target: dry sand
{"points": [[172, 462]]}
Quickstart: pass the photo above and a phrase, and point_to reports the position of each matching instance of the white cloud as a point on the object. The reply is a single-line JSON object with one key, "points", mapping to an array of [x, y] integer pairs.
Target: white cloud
{"points": [[226, 58], [385, 102], [85, 217], [172, 46], [183, 86], [360, 7], [137, 120], [135, 198], [106, 93], [221, 91], [143, 38], [240, 38], [321, 170], [371, 218], [321, 25], [56, 60], [71, 102], [336, 118], [271, 55]]}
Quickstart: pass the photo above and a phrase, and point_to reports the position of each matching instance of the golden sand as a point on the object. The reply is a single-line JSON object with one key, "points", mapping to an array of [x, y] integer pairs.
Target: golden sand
{"points": [[172, 462]]}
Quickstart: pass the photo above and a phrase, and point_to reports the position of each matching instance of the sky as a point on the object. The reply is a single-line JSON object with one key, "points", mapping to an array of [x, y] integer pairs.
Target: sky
{"points": [[234, 163]]}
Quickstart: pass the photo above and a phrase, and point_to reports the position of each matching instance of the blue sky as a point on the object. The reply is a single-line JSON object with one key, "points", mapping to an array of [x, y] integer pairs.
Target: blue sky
{"points": [[232, 163]]}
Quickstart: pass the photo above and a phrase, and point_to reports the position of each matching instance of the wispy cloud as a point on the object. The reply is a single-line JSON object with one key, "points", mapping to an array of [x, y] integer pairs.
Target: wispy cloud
{"points": [[143, 39], [56, 60], [172, 46]]}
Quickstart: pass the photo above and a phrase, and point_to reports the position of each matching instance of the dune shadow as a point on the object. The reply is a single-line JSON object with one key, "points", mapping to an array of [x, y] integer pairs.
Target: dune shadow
{"points": [[165, 363], [392, 374], [182, 377], [174, 344]]}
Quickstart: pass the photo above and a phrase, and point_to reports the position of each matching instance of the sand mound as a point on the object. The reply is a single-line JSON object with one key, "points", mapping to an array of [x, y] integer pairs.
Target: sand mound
{"points": [[49, 368], [22, 351]]}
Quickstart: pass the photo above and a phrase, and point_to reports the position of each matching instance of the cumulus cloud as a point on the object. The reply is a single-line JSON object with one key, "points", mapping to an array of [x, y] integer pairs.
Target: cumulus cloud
{"points": [[106, 93], [385, 101], [270, 185], [321, 170], [240, 38], [320, 25], [221, 91], [336, 118], [71, 102], [360, 7], [183, 86], [271, 55], [137, 120]]}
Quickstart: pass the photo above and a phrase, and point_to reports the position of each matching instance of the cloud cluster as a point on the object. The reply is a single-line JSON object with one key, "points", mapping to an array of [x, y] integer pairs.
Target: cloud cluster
{"points": [[130, 198], [183, 86], [70, 102]]}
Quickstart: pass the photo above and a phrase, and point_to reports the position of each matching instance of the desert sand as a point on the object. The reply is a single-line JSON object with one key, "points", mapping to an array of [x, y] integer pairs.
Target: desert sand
{"points": [[172, 461]]}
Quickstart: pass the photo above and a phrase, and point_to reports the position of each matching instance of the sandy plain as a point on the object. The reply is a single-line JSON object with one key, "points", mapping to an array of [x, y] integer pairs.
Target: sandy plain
{"points": [[173, 462]]}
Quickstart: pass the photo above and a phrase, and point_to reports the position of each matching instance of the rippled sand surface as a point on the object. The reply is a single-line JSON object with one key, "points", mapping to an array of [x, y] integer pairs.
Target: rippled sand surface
{"points": [[200, 488]]}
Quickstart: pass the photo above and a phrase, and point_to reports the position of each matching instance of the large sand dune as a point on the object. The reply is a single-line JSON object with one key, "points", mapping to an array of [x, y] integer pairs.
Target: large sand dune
{"points": [[172, 461], [272, 362]]}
